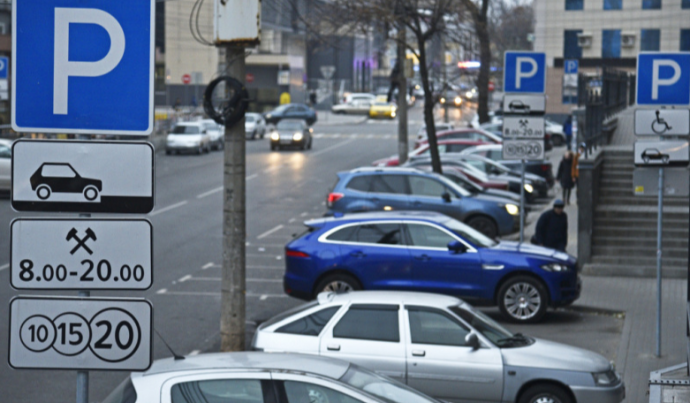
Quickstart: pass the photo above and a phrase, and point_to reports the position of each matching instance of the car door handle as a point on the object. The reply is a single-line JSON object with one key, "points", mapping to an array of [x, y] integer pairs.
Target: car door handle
{"points": [[423, 258], [418, 353], [333, 347], [358, 253]]}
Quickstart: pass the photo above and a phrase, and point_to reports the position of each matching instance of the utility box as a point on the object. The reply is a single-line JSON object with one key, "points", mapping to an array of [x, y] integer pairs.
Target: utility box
{"points": [[237, 22]]}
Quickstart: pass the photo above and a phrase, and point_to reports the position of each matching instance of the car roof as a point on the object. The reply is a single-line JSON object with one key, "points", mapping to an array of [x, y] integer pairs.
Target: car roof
{"points": [[460, 141], [381, 215], [6, 142], [486, 147], [323, 366], [198, 123], [292, 121], [384, 170], [389, 297]]}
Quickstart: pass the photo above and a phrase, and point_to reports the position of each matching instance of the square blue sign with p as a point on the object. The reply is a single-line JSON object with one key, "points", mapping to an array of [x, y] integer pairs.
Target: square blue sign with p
{"points": [[663, 78], [525, 72]]}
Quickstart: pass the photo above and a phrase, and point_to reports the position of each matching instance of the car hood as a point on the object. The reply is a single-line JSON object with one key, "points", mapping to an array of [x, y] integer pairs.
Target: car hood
{"points": [[493, 198], [184, 137], [249, 124], [510, 196], [509, 246], [551, 355], [386, 162]]}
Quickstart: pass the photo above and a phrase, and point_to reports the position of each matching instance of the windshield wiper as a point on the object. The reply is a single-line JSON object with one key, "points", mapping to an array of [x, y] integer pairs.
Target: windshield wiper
{"points": [[516, 338]]}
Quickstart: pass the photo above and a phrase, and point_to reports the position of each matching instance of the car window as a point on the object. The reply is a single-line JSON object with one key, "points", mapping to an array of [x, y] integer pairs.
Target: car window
{"points": [[386, 234], [369, 322], [435, 327], [456, 148], [427, 236], [58, 171], [496, 155], [441, 150], [5, 152], [421, 186], [186, 130], [344, 234], [480, 165], [249, 118], [456, 135], [302, 392], [290, 125], [218, 391], [361, 183], [310, 325], [394, 184], [385, 388], [290, 312]]}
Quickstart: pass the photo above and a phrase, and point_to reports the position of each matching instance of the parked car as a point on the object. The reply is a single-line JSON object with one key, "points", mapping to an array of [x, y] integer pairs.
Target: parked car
{"points": [[61, 177], [384, 189], [356, 107], [443, 347], [462, 134], [495, 128], [291, 111], [439, 126], [5, 165], [496, 169], [216, 133], [383, 110], [291, 133], [430, 252], [445, 146], [494, 152], [495, 117], [357, 96], [255, 377], [188, 136], [555, 132], [254, 125]]}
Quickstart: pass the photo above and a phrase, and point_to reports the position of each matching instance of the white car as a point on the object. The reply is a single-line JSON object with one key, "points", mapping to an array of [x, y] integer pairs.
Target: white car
{"points": [[216, 132], [260, 378], [5, 165], [358, 96], [188, 137], [440, 127], [357, 107], [254, 125], [494, 119]]}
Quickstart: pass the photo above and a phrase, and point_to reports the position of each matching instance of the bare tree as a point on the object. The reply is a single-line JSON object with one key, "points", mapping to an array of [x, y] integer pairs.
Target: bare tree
{"points": [[479, 10]]}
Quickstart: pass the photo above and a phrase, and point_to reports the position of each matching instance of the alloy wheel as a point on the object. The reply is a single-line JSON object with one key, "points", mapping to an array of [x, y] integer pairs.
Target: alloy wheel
{"points": [[522, 301], [546, 399], [338, 287]]}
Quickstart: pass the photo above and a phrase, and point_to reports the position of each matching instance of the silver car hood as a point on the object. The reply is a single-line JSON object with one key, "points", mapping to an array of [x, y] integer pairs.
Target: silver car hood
{"points": [[551, 355]]}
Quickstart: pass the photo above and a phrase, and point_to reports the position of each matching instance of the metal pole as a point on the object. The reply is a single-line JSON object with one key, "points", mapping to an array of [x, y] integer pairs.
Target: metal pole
{"points": [[233, 284], [83, 376], [522, 204], [403, 148], [659, 227]]}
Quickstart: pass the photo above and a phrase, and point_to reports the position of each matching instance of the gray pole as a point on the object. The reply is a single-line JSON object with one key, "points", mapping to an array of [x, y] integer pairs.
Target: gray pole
{"points": [[233, 285], [659, 228], [402, 99], [522, 204], [83, 376]]}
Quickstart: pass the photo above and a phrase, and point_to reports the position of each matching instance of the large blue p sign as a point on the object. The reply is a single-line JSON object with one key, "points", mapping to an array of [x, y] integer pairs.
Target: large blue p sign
{"points": [[663, 78], [525, 72]]}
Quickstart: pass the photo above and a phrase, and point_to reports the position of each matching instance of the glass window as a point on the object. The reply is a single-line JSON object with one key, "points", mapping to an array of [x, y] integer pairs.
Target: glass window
{"points": [[651, 4], [429, 237], [218, 391], [482, 323], [649, 39], [611, 43], [388, 184], [290, 125], [496, 155], [288, 313], [369, 322], [441, 150], [421, 186], [685, 39], [186, 130], [58, 171], [5, 152], [310, 325], [387, 234], [456, 148], [469, 234], [574, 4], [388, 390], [685, 4], [435, 327], [302, 392], [613, 4], [345, 234], [571, 50], [124, 393], [361, 183]]}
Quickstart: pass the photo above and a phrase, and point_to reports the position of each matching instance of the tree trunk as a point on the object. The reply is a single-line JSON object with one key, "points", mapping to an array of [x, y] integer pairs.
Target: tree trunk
{"points": [[428, 107], [481, 27]]}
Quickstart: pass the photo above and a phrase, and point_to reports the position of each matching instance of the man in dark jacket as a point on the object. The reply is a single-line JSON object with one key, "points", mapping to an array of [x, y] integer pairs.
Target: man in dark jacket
{"points": [[552, 228]]}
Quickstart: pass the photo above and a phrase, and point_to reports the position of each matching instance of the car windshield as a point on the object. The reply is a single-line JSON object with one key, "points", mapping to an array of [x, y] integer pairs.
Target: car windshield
{"points": [[381, 104], [249, 119], [281, 108], [381, 387], [211, 126], [186, 130], [289, 125], [470, 234], [488, 327], [454, 186], [463, 182]]}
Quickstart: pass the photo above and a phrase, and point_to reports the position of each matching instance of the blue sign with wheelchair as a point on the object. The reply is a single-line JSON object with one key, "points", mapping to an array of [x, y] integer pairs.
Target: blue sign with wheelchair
{"points": [[663, 78], [525, 72]]}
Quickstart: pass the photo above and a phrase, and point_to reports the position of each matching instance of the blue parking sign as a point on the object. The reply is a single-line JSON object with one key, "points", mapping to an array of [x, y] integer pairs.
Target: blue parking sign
{"points": [[524, 72], [83, 66], [570, 66], [4, 67], [663, 78]]}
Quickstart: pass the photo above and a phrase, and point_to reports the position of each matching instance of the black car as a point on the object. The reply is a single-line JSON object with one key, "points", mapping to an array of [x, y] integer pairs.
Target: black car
{"points": [[291, 133], [57, 177], [291, 111]]}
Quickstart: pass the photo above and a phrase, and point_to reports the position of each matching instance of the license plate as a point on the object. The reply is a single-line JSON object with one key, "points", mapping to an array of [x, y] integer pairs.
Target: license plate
{"points": [[288, 141]]}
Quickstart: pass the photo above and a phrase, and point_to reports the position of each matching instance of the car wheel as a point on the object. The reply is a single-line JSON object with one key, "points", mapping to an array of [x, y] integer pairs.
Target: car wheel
{"points": [[90, 193], [523, 299], [485, 225], [545, 394], [338, 283], [43, 192]]}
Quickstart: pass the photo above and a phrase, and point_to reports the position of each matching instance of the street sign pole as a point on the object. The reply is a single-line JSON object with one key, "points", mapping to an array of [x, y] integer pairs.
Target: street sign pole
{"points": [[83, 376], [522, 203], [403, 147], [659, 228]]}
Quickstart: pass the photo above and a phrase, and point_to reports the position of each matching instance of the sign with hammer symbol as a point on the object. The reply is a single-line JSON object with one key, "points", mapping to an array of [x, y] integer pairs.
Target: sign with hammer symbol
{"points": [[81, 242]]}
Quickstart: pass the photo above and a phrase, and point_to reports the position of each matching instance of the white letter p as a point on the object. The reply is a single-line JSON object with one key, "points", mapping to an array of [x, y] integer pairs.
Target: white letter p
{"points": [[657, 82], [63, 68], [519, 74]]}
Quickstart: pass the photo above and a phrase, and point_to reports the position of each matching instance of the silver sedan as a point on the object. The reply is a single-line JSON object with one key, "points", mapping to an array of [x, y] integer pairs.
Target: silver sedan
{"points": [[443, 347], [5, 165]]}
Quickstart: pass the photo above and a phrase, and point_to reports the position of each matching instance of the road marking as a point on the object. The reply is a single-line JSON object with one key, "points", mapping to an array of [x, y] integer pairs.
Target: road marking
{"points": [[207, 265], [250, 177], [164, 209], [270, 231], [335, 136], [4, 266], [185, 278], [332, 147], [162, 291], [371, 136], [210, 192], [304, 214], [387, 136], [292, 220], [193, 353]]}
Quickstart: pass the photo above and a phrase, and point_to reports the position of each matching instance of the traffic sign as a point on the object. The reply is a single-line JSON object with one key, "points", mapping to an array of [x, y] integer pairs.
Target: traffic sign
{"points": [[525, 72], [571, 66], [663, 78], [327, 72], [661, 153], [249, 78], [676, 182], [186, 78], [83, 66], [523, 149], [523, 104], [662, 122], [82, 176], [525, 127], [4, 67], [80, 333], [83, 254]]}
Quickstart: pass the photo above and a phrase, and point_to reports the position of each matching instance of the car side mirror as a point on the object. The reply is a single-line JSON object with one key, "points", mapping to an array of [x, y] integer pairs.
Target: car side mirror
{"points": [[473, 341], [457, 247], [446, 197]]}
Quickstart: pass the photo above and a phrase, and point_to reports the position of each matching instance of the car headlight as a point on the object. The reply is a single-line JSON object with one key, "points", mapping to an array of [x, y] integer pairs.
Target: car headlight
{"points": [[393, 113], [469, 94], [512, 209], [606, 378], [443, 100], [297, 136], [458, 100], [275, 136], [269, 116], [529, 188], [556, 267]]}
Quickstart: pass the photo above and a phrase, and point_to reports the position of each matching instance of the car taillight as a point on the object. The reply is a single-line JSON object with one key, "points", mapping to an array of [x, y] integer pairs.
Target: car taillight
{"points": [[295, 253], [333, 197], [545, 167]]}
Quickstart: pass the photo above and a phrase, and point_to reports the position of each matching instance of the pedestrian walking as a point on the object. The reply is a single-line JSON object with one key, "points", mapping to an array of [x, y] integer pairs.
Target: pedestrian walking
{"points": [[565, 176], [312, 98], [576, 160], [568, 131], [552, 228]]}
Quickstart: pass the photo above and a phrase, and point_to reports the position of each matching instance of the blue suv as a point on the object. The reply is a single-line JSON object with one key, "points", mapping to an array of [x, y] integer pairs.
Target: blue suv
{"points": [[386, 189], [429, 252]]}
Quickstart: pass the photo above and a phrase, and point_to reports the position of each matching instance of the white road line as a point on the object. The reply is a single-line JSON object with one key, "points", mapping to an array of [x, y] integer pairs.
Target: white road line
{"points": [[207, 265], [371, 136], [387, 136], [331, 147], [304, 214], [193, 353], [162, 291], [250, 177], [210, 192], [164, 209], [270, 231], [4, 266], [335, 136], [185, 278], [292, 220]]}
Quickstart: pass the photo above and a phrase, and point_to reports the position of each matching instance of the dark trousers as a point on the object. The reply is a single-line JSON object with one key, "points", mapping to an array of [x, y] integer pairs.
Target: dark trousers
{"points": [[566, 195]]}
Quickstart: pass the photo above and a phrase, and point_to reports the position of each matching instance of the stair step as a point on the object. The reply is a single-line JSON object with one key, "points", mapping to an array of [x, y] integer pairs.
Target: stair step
{"points": [[625, 251], [638, 201], [647, 240], [615, 270], [640, 261]]}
